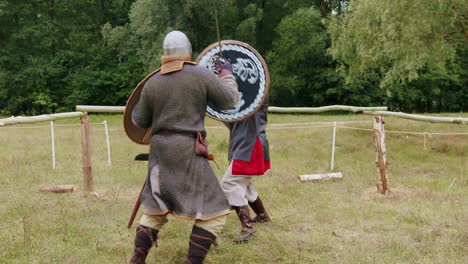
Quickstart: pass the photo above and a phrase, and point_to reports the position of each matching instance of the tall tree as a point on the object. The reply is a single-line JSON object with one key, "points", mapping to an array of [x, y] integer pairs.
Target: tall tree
{"points": [[301, 72], [403, 41], [45, 44]]}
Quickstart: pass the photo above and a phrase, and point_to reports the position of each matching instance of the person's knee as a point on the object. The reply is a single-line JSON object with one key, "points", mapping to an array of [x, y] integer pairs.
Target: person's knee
{"points": [[228, 185], [153, 221], [214, 226], [252, 197]]}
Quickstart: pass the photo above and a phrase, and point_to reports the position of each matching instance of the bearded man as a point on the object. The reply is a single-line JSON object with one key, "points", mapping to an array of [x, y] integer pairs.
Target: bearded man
{"points": [[181, 182]]}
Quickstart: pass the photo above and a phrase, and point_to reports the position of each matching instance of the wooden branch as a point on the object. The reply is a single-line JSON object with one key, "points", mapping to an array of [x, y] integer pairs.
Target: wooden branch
{"points": [[460, 19], [100, 108], [274, 109], [432, 119], [40, 118]]}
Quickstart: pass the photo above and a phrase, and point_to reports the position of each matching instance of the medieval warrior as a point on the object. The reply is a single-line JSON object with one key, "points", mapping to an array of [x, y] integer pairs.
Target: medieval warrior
{"points": [[249, 157], [181, 182]]}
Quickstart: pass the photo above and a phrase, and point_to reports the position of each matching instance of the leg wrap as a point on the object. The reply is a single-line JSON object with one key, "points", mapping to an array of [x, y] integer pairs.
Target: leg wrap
{"points": [[145, 239], [200, 243]]}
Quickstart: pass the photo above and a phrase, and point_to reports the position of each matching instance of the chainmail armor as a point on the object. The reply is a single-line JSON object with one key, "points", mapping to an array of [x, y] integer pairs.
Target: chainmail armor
{"points": [[181, 182]]}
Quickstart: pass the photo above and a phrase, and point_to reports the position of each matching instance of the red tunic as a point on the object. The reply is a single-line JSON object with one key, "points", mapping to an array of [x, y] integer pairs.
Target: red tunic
{"points": [[256, 166]]}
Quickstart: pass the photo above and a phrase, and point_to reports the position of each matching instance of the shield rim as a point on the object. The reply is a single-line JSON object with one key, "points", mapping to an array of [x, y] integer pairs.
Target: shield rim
{"points": [[135, 133], [265, 67]]}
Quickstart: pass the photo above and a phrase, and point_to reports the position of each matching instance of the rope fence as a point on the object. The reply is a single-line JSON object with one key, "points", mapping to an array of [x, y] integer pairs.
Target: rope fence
{"points": [[52, 136], [376, 112], [276, 126], [59, 125]]}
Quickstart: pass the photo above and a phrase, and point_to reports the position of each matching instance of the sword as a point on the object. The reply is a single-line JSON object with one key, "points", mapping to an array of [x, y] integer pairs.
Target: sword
{"points": [[217, 32], [143, 156]]}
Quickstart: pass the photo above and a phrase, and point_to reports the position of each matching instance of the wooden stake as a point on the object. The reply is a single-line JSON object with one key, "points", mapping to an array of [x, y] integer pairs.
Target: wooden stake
{"points": [[381, 154], [86, 154]]}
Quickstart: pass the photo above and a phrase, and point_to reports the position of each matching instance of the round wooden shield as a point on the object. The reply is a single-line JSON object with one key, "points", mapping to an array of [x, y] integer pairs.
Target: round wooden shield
{"points": [[136, 134], [252, 77]]}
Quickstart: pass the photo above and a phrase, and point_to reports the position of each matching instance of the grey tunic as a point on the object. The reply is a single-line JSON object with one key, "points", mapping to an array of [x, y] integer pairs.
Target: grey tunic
{"points": [[244, 133], [181, 182]]}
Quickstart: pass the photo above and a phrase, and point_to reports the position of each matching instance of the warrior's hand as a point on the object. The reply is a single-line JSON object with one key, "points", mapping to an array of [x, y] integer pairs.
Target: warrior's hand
{"points": [[223, 66]]}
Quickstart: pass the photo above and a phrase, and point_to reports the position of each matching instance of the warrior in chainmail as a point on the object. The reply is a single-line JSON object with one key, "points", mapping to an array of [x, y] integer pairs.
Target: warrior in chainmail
{"points": [[180, 182], [249, 156]]}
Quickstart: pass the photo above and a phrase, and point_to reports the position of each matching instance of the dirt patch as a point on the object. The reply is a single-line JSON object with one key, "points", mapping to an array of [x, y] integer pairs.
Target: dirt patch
{"points": [[395, 193]]}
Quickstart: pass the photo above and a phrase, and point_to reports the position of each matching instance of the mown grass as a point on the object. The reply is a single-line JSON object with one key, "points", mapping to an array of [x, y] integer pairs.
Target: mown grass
{"points": [[423, 220]]}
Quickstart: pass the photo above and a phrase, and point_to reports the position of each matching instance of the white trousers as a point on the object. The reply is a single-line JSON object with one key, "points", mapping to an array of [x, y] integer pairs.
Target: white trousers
{"points": [[239, 189]]}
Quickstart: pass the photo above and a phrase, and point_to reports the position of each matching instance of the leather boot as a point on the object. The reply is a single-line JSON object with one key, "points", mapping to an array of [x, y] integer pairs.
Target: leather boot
{"points": [[200, 243], [257, 207], [145, 239], [247, 230]]}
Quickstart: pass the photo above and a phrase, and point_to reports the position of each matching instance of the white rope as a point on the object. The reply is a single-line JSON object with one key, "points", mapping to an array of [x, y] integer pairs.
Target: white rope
{"points": [[319, 123], [55, 125], [296, 127], [305, 124], [345, 127], [279, 126], [406, 132], [356, 128]]}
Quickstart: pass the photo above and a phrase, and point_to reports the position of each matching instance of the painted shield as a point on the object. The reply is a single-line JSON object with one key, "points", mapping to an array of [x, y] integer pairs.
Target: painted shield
{"points": [[251, 74]]}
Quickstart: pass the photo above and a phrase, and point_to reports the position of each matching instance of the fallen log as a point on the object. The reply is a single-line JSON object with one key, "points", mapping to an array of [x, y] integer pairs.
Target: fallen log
{"points": [[60, 188]]}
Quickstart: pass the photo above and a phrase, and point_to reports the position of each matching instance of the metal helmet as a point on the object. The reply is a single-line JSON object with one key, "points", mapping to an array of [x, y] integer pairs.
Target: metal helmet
{"points": [[176, 43]]}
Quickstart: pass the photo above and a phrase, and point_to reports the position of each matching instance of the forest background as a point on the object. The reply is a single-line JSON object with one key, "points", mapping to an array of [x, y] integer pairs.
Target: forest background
{"points": [[408, 55]]}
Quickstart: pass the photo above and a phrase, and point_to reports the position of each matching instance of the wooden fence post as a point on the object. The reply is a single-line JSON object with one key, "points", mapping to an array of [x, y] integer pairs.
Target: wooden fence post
{"points": [[86, 154], [381, 154]]}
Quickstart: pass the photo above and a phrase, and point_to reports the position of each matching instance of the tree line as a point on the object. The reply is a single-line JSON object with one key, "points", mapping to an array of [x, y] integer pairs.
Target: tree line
{"points": [[408, 55]]}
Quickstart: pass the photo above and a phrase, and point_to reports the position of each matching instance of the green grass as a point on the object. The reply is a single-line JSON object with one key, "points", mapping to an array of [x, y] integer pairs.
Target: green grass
{"points": [[423, 220]]}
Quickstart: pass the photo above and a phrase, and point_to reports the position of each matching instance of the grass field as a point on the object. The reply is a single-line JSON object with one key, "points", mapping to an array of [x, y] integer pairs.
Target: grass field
{"points": [[423, 220]]}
